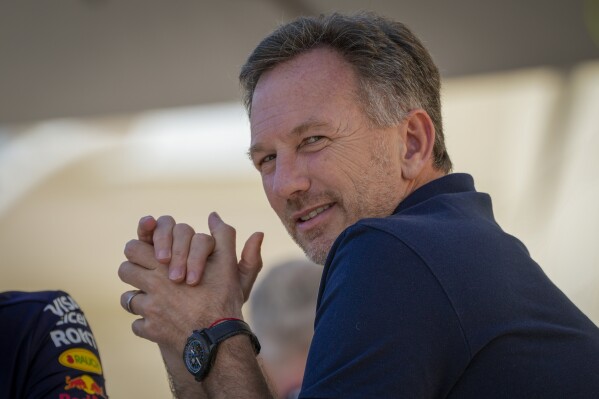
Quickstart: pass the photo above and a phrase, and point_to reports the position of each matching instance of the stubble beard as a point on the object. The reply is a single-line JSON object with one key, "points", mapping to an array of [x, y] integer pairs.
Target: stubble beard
{"points": [[316, 249], [315, 243], [368, 200]]}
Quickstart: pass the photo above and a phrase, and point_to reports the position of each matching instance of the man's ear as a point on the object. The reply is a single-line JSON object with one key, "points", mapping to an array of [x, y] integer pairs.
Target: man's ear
{"points": [[418, 133]]}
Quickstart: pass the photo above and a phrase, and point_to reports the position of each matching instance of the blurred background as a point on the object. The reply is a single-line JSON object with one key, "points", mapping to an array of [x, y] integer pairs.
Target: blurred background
{"points": [[112, 110]]}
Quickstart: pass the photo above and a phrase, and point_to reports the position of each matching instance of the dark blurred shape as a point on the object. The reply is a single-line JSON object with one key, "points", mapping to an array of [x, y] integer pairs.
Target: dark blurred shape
{"points": [[591, 19], [85, 58]]}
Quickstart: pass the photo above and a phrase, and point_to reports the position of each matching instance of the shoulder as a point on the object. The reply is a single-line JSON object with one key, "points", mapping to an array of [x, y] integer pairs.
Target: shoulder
{"points": [[39, 312], [46, 342], [28, 304], [9, 298], [378, 243], [366, 248], [377, 290], [375, 273]]}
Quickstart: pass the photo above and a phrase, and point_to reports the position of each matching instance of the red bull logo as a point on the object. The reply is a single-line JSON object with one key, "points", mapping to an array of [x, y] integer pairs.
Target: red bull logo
{"points": [[84, 383]]}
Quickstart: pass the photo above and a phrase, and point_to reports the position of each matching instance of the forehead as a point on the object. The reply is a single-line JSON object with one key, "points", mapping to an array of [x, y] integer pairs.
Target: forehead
{"points": [[318, 85]]}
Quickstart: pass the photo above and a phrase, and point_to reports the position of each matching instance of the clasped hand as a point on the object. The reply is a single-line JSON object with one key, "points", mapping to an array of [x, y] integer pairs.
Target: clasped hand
{"points": [[188, 280]]}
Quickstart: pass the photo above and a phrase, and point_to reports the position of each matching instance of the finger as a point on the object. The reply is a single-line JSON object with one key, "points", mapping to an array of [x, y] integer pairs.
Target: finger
{"points": [[163, 238], [143, 328], [147, 329], [181, 236], [138, 328], [142, 278], [131, 274], [224, 235], [124, 298], [141, 253], [250, 263], [154, 326], [202, 246], [145, 229], [127, 299]]}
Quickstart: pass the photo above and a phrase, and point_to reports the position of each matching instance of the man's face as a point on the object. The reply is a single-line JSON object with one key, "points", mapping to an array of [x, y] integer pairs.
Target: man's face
{"points": [[323, 165]]}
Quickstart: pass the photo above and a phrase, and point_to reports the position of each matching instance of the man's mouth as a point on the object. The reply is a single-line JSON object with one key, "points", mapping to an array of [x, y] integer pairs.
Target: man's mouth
{"points": [[314, 213]]}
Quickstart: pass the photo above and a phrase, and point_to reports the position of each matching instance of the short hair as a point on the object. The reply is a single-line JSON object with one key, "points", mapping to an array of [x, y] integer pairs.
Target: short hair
{"points": [[395, 71], [283, 305]]}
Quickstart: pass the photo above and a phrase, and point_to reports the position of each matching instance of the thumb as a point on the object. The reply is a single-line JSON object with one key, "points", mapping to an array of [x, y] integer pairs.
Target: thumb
{"points": [[224, 236], [250, 263]]}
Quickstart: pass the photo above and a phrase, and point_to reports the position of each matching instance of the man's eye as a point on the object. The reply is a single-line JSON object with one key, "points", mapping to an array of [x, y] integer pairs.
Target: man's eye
{"points": [[312, 139], [268, 158]]}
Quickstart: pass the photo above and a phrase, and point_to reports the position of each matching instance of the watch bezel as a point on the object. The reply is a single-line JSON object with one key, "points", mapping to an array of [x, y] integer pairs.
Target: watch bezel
{"points": [[202, 345], [197, 343]]}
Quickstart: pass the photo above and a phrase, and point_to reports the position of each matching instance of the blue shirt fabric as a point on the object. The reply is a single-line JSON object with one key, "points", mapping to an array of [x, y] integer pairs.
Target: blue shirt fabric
{"points": [[436, 301], [47, 349]]}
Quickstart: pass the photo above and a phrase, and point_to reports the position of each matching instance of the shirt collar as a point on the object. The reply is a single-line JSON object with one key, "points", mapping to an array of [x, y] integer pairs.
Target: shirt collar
{"points": [[451, 183]]}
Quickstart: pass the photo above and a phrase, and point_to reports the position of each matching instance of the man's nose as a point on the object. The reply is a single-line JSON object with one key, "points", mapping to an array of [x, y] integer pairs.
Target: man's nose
{"points": [[291, 176]]}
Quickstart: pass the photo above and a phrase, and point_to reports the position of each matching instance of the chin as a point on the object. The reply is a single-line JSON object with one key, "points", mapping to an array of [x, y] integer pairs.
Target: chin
{"points": [[318, 258], [317, 251], [316, 245]]}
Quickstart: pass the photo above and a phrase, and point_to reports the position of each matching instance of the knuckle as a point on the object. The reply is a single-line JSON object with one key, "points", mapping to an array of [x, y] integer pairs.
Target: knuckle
{"points": [[179, 254], [195, 262], [153, 284], [123, 301], [122, 270], [137, 328], [150, 286], [152, 316], [183, 228], [143, 219], [203, 238], [166, 219], [130, 248], [229, 229], [151, 310]]}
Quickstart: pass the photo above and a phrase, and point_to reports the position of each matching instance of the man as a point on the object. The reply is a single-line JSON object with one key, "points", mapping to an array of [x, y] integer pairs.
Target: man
{"points": [[282, 309], [47, 348], [422, 294]]}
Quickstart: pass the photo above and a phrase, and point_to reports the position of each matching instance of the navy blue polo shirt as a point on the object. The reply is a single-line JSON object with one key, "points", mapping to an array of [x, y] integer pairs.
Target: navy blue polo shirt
{"points": [[437, 301], [47, 349]]}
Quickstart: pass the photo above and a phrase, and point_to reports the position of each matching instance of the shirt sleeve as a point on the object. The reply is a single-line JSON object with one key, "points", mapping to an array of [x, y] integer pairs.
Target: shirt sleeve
{"points": [[66, 364], [384, 325]]}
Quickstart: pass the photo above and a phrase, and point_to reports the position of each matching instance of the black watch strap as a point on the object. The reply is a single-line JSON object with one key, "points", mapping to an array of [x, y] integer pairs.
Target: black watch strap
{"points": [[229, 328]]}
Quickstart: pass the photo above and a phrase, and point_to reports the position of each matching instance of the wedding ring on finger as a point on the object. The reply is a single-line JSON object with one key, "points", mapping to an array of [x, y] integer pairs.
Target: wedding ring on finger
{"points": [[130, 296]]}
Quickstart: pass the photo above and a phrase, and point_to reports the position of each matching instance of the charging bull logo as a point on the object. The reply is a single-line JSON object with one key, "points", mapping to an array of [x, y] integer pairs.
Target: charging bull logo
{"points": [[86, 384]]}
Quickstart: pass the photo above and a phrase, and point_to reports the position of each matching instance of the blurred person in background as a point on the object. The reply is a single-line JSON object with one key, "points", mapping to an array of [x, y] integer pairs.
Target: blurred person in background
{"points": [[282, 308], [47, 348], [423, 295]]}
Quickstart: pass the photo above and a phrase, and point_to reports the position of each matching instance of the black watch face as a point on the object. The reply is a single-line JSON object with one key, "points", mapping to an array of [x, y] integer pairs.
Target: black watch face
{"points": [[195, 356]]}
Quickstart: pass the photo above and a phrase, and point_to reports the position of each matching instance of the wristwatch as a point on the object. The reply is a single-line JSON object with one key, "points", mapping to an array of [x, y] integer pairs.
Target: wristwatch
{"points": [[201, 347]]}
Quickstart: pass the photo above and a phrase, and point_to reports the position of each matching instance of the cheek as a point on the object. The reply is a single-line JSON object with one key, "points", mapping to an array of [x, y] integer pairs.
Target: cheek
{"points": [[347, 165], [274, 200], [351, 156]]}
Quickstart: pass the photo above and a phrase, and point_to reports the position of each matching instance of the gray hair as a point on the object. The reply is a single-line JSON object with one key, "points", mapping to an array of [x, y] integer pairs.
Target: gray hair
{"points": [[395, 72]]}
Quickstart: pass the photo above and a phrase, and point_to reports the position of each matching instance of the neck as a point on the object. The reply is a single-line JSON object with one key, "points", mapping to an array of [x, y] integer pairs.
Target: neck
{"points": [[426, 176]]}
